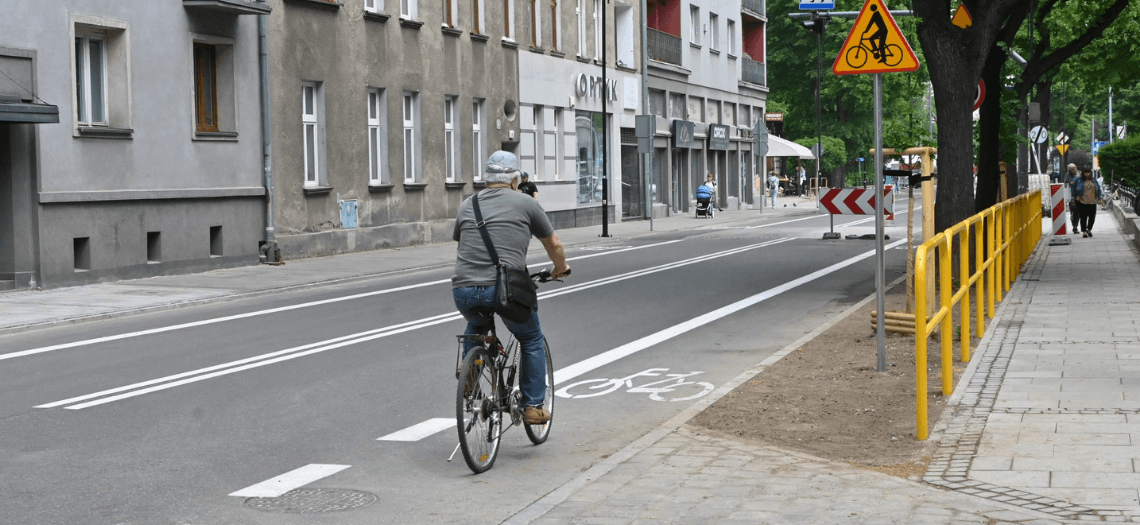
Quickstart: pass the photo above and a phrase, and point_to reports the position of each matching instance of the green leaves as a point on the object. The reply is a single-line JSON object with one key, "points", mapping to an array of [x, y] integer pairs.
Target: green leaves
{"points": [[1122, 159]]}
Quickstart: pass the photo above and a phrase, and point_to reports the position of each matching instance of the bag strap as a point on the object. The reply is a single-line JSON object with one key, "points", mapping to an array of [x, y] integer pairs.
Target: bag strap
{"points": [[482, 225]]}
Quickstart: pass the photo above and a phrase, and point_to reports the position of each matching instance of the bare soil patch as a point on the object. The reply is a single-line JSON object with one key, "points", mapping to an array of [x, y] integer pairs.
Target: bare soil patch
{"points": [[826, 399]]}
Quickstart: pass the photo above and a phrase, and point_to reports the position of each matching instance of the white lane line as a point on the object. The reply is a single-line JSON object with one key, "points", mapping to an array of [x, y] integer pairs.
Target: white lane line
{"points": [[163, 383], [204, 322], [271, 488], [600, 360], [420, 431]]}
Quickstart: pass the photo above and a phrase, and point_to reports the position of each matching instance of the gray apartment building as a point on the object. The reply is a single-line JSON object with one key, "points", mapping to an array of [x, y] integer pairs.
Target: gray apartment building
{"points": [[153, 166], [708, 88], [384, 112]]}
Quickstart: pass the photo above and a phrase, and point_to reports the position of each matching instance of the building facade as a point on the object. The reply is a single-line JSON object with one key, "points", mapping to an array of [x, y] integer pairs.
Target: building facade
{"points": [[384, 112], [153, 167], [708, 89]]}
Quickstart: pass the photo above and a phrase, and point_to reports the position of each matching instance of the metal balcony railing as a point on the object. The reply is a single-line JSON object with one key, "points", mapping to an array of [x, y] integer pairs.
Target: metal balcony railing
{"points": [[754, 72], [663, 46], [757, 6]]}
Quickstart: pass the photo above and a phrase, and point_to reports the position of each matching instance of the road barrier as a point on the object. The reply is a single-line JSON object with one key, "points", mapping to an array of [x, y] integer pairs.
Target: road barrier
{"points": [[1004, 236]]}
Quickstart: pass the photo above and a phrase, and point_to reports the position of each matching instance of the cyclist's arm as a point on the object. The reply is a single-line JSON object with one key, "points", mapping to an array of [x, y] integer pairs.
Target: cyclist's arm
{"points": [[557, 255]]}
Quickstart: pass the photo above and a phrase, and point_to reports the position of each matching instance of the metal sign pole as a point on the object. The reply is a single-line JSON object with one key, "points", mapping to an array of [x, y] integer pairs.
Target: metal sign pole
{"points": [[880, 269]]}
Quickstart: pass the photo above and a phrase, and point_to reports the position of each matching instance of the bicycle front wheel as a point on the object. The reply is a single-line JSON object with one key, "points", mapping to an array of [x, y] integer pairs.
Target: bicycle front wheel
{"points": [[857, 57], [477, 415], [539, 433]]}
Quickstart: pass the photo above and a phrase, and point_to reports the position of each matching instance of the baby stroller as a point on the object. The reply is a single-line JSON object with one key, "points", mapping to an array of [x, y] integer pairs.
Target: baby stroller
{"points": [[704, 202]]}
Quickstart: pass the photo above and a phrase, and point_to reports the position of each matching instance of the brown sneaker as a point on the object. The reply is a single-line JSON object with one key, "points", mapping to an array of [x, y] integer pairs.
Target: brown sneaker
{"points": [[535, 416]]}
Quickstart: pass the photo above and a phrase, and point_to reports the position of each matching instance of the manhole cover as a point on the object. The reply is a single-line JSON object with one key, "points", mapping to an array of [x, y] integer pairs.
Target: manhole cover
{"points": [[311, 501]]}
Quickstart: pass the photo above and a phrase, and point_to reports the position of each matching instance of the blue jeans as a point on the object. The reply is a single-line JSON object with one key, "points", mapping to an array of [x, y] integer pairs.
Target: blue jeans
{"points": [[532, 344]]}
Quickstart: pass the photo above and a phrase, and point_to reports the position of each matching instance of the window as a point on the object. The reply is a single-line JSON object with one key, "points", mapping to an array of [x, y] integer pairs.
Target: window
{"points": [[555, 43], [732, 37], [377, 138], [312, 140], [450, 13], [477, 16], [478, 146], [535, 21], [214, 100], [100, 57], [531, 140], [411, 137], [554, 146], [205, 87], [714, 30], [409, 9], [695, 25], [580, 15], [450, 148], [508, 19], [91, 85], [373, 6]]}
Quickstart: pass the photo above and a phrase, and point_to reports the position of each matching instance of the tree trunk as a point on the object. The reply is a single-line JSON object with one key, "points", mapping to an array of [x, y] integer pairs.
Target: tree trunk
{"points": [[989, 127]]}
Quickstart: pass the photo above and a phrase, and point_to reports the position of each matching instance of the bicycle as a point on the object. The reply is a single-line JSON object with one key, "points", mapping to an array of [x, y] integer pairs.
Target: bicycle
{"points": [[488, 388], [856, 57]]}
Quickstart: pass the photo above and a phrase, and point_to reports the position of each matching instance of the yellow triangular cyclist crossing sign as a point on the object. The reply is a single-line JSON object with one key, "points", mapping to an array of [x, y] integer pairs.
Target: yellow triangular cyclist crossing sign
{"points": [[875, 44]]}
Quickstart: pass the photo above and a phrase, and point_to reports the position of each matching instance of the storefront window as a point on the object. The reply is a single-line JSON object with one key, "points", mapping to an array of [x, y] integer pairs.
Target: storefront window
{"points": [[591, 157]]}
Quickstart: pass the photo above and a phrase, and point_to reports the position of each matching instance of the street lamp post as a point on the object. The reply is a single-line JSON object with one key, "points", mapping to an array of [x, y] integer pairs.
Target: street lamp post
{"points": [[816, 24]]}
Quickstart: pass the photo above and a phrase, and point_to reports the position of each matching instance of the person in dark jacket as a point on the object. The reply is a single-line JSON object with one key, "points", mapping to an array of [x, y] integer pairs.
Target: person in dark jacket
{"points": [[1086, 193]]}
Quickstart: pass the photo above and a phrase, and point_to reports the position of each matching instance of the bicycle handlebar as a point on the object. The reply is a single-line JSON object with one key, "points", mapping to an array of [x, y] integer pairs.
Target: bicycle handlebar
{"points": [[544, 276]]}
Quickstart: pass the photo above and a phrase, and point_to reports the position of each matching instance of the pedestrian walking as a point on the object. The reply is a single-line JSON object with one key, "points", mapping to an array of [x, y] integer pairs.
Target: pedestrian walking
{"points": [[1074, 211], [801, 180], [528, 187], [1086, 193], [710, 180], [773, 186]]}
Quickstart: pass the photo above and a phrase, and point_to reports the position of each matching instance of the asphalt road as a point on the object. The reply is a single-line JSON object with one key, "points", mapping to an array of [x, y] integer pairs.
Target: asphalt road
{"points": [[162, 425]]}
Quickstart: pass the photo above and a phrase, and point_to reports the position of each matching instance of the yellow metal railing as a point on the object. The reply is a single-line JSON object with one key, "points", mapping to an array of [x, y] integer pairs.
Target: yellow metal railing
{"points": [[1004, 236]]}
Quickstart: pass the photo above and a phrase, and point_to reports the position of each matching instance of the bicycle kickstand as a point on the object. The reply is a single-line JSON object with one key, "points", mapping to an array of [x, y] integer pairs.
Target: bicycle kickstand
{"points": [[453, 453]]}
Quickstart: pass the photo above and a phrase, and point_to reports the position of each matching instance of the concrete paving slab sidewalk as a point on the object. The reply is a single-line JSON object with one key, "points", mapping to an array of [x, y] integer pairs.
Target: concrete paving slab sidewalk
{"points": [[25, 310]]}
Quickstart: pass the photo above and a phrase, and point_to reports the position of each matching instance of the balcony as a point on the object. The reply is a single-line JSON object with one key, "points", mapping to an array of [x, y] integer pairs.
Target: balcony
{"points": [[663, 46], [754, 72], [756, 6]]}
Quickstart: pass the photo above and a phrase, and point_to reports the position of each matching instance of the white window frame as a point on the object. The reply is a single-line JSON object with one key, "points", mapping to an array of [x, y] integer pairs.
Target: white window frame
{"points": [[580, 15], [377, 137], [411, 117], [311, 110], [409, 9], [694, 25], [374, 6], [558, 145], [85, 104], [450, 138], [732, 51], [478, 145], [714, 32]]}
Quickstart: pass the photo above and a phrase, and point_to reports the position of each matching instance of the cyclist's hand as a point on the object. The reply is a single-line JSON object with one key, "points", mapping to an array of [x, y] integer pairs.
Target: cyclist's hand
{"points": [[560, 271]]}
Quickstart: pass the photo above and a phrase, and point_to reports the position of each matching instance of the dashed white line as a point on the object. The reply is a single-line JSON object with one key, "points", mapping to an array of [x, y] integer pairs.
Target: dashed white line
{"points": [[421, 430], [293, 479]]}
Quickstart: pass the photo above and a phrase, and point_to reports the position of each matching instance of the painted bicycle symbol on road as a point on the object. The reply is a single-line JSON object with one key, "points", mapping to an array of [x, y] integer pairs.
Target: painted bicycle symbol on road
{"points": [[675, 387]]}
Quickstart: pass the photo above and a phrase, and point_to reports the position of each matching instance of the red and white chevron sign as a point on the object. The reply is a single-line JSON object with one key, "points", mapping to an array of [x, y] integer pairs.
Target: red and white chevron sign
{"points": [[857, 202]]}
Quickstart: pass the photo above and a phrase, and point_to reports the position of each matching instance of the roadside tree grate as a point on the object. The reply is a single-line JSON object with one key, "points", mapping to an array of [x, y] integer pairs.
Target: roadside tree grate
{"points": [[313, 501]]}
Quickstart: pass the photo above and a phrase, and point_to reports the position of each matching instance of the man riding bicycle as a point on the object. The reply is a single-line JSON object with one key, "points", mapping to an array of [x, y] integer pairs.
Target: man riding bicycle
{"points": [[511, 218], [878, 39]]}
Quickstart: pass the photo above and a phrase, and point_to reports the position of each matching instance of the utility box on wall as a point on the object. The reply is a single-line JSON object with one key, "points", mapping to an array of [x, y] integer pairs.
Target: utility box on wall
{"points": [[348, 215]]}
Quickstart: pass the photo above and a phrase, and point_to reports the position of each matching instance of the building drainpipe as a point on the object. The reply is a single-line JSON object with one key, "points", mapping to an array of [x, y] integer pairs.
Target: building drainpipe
{"points": [[269, 251]]}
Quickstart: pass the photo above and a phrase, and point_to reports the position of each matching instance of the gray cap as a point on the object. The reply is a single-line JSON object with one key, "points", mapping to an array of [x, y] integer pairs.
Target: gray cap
{"points": [[502, 162]]}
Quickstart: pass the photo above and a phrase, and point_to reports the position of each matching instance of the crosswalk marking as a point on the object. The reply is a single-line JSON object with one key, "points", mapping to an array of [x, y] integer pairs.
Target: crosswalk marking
{"points": [[271, 488]]}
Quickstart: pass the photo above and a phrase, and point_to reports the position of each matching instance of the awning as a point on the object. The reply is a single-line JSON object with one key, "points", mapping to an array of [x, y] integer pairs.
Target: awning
{"points": [[778, 147], [27, 113]]}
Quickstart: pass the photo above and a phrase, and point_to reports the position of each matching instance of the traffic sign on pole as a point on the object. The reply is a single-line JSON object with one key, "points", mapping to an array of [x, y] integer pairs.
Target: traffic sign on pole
{"points": [[875, 44], [1038, 135], [817, 5]]}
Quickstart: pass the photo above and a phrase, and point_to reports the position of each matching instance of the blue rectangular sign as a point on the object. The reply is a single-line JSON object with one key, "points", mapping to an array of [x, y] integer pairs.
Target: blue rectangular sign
{"points": [[1097, 145], [821, 5]]}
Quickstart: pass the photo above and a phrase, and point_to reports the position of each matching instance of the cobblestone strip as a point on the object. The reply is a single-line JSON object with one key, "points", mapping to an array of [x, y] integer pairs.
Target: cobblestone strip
{"points": [[963, 429]]}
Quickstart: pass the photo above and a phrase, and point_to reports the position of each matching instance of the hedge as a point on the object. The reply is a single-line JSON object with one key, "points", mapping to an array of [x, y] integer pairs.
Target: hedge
{"points": [[1122, 159]]}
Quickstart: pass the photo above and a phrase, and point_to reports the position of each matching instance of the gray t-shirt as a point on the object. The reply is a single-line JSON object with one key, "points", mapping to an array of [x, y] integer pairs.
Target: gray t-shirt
{"points": [[512, 218]]}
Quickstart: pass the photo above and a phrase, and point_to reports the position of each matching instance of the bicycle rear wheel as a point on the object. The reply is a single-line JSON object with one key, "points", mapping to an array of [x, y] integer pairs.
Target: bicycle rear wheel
{"points": [[477, 415], [539, 433]]}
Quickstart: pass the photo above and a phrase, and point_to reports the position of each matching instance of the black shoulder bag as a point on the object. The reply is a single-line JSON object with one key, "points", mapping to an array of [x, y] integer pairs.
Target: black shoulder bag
{"points": [[516, 293]]}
